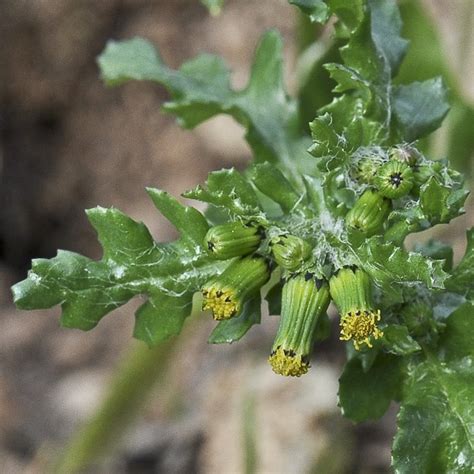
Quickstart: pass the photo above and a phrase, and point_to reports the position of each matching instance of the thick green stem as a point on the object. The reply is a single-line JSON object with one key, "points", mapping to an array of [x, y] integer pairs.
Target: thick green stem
{"points": [[126, 396]]}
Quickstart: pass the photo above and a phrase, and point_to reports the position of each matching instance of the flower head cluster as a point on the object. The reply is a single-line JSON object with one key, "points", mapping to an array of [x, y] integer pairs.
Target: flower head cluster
{"points": [[383, 176], [304, 298]]}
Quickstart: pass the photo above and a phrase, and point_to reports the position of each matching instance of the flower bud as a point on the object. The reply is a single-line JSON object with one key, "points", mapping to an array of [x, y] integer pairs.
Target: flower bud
{"points": [[366, 169], [351, 291], [226, 294], [304, 300], [394, 179], [290, 251], [369, 213], [404, 153], [233, 239]]}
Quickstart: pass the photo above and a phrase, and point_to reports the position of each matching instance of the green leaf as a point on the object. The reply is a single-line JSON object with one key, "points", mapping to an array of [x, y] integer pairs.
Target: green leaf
{"points": [[441, 203], [361, 54], [366, 395], [132, 264], [436, 420], [351, 13], [462, 279], [371, 57], [326, 142], [161, 317], [317, 10], [233, 329], [398, 341], [391, 267], [117, 232], [386, 26], [420, 107], [189, 222], [271, 182], [348, 79], [227, 189], [402, 222], [436, 250], [457, 340], [201, 89]]}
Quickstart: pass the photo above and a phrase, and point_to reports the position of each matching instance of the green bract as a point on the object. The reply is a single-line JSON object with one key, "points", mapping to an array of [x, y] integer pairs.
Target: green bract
{"points": [[329, 195], [232, 240], [394, 179], [226, 294], [289, 251], [369, 212], [304, 301]]}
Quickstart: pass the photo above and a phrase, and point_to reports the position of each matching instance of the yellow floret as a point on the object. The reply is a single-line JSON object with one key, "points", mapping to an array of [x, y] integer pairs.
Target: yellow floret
{"points": [[360, 326], [287, 362], [222, 303]]}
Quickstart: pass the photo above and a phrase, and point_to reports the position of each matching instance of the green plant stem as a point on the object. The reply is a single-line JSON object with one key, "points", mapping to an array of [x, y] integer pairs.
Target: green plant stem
{"points": [[126, 395], [249, 437]]}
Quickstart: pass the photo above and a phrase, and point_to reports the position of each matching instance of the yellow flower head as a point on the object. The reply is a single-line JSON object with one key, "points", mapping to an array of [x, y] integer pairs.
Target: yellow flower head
{"points": [[304, 300], [351, 290], [226, 294], [359, 326], [222, 302], [287, 362]]}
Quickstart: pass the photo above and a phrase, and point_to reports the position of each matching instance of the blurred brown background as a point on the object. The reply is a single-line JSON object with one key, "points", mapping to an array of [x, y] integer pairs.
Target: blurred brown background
{"points": [[68, 143]]}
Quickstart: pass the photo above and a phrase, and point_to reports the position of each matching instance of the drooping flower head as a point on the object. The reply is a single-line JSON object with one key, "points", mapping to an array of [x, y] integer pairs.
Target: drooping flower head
{"points": [[226, 294], [304, 300], [351, 291], [233, 239], [369, 212], [289, 251]]}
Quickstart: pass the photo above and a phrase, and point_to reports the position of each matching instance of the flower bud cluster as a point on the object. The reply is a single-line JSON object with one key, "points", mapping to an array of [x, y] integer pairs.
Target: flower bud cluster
{"points": [[399, 173]]}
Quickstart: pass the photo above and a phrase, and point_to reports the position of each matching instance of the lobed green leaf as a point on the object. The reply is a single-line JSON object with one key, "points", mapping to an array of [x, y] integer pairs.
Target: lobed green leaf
{"points": [[436, 419], [132, 264], [230, 190], [391, 268], [457, 341], [420, 107], [366, 394], [201, 89], [396, 340]]}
